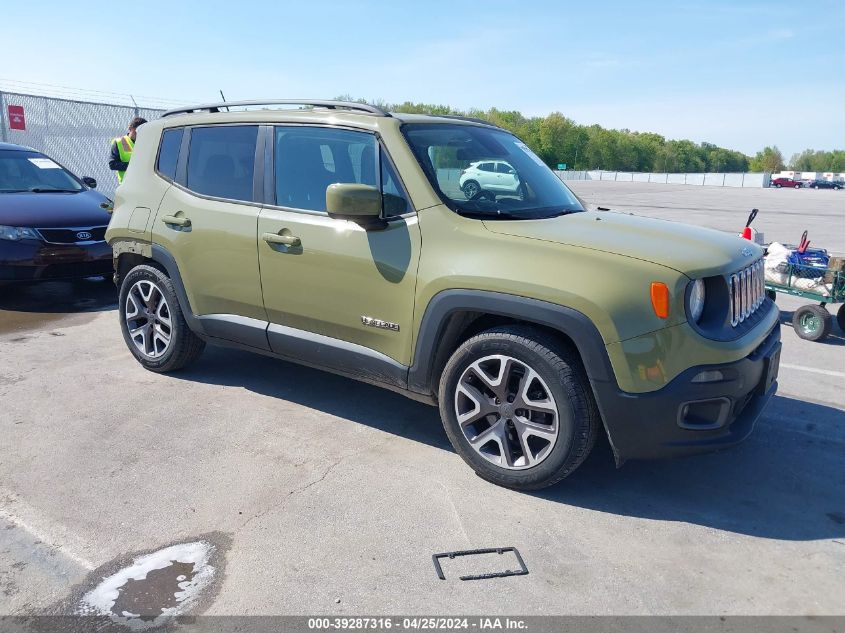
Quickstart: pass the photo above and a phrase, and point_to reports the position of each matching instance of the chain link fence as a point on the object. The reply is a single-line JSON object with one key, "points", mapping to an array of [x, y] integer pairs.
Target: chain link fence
{"points": [[77, 134]]}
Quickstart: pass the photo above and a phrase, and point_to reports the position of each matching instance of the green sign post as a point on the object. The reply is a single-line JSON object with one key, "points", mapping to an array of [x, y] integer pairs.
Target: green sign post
{"points": [[561, 166]]}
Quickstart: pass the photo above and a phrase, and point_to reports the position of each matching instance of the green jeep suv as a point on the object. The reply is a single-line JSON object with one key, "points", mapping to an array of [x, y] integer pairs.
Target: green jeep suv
{"points": [[344, 237]]}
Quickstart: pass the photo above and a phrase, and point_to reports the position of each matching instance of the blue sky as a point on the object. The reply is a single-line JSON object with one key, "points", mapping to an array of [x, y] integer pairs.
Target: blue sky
{"points": [[739, 74]]}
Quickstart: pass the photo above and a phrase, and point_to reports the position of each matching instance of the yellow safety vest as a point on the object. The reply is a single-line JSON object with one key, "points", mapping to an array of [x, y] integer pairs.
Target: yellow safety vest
{"points": [[124, 148]]}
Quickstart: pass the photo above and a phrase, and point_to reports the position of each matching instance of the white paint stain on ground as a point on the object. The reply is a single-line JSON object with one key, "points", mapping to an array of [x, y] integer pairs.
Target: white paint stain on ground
{"points": [[184, 593]]}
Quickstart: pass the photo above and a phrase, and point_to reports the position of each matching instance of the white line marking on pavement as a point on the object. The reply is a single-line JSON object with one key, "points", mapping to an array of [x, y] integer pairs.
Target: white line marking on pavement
{"points": [[40, 536], [813, 370]]}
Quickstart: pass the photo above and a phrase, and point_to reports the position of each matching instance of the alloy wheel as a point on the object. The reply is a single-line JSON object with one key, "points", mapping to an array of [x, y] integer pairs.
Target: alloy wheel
{"points": [[147, 316], [507, 412]]}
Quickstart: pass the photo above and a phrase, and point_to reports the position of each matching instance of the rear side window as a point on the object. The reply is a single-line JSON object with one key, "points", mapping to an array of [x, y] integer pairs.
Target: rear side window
{"points": [[221, 161], [308, 160], [168, 153]]}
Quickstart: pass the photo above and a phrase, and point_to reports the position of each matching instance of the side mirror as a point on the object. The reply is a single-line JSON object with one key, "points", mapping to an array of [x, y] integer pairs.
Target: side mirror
{"points": [[89, 182], [351, 201]]}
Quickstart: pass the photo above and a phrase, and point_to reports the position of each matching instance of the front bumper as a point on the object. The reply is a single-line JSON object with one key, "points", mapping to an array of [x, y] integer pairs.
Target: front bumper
{"points": [[30, 260], [686, 417]]}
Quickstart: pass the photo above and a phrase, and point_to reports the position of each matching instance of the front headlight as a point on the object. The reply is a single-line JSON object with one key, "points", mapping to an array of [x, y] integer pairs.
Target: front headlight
{"points": [[696, 300], [15, 233]]}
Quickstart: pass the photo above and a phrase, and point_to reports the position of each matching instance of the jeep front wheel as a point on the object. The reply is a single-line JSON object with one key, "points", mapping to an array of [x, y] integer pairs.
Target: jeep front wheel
{"points": [[518, 408], [152, 322]]}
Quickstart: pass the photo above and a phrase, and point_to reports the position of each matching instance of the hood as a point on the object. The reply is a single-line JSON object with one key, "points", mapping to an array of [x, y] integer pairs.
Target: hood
{"points": [[53, 210], [691, 250]]}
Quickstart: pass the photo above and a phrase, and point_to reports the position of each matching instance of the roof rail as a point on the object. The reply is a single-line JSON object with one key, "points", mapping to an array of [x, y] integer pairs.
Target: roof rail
{"points": [[319, 103], [473, 119]]}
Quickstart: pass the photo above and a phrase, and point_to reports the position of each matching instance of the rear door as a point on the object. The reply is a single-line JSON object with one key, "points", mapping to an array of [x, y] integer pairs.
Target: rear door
{"points": [[208, 220], [339, 275]]}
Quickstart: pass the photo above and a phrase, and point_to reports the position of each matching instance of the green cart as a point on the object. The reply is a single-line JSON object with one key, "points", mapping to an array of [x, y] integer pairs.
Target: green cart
{"points": [[812, 321]]}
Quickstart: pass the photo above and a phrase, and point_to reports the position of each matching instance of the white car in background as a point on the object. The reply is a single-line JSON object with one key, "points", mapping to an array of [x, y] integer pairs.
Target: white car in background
{"points": [[495, 176]]}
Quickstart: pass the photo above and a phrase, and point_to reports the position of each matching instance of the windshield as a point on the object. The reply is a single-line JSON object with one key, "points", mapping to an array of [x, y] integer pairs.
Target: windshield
{"points": [[488, 173], [31, 171]]}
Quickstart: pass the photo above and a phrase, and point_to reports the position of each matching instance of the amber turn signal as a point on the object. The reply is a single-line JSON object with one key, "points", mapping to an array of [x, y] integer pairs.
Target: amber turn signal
{"points": [[660, 299]]}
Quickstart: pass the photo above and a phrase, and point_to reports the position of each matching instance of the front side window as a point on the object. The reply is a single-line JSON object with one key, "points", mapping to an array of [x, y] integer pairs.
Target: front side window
{"points": [[308, 160], [452, 155], [168, 153], [22, 171], [221, 161]]}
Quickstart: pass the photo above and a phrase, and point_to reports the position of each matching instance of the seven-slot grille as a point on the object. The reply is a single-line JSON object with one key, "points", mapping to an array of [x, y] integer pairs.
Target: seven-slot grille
{"points": [[748, 291], [72, 236]]}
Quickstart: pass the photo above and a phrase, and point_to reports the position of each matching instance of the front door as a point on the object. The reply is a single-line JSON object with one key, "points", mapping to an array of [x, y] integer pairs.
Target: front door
{"points": [[337, 280]]}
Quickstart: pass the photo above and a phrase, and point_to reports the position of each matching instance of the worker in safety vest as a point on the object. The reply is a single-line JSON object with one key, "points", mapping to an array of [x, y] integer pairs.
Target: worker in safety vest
{"points": [[121, 149]]}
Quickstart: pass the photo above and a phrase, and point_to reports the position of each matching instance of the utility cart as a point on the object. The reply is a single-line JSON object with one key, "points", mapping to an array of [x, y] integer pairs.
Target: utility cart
{"points": [[812, 321]]}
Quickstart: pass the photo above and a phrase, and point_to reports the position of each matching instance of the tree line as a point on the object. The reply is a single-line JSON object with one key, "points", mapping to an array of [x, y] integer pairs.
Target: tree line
{"points": [[557, 139]]}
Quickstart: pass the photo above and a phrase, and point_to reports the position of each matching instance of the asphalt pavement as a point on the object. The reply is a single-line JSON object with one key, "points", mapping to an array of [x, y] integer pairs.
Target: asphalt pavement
{"points": [[321, 495]]}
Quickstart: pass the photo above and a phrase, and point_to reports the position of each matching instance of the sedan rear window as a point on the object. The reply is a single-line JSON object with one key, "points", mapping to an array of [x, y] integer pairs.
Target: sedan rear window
{"points": [[33, 172]]}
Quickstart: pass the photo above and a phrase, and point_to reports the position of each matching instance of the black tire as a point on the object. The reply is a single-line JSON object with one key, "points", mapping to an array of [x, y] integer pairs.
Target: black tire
{"points": [[771, 294], [778, 185], [560, 368], [797, 185], [184, 346], [840, 317], [471, 189], [812, 322]]}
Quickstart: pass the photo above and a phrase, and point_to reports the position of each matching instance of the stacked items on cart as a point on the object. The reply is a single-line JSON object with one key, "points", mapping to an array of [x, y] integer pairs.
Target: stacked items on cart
{"points": [[810, 273]]}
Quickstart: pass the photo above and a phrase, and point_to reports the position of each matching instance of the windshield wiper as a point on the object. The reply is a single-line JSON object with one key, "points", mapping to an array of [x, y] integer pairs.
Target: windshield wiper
{"points": [[489, 213], [519, 215], [13, 190], [46, 190]]}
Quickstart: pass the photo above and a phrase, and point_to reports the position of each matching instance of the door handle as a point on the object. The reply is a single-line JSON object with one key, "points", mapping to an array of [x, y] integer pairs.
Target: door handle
{"points": [[286, 240], [176, 221]]}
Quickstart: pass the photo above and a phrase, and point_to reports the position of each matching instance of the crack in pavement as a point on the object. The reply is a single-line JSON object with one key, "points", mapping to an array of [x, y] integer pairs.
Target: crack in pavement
{"points": [[314, 482]]}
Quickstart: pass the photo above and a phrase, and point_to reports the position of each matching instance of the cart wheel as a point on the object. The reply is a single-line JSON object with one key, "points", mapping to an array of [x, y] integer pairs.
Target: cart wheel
{"points": [[840, 317], [812, 322], [771, 294]]}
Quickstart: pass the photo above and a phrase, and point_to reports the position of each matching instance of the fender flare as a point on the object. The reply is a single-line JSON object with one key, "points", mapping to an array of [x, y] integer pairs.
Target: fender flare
{"points": [[567, 321]]}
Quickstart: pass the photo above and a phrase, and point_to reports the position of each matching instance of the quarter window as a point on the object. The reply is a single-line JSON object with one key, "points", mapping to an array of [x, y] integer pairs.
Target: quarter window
{"points": [[308, 160], [168, 153], [395, 200], [221, 161]]}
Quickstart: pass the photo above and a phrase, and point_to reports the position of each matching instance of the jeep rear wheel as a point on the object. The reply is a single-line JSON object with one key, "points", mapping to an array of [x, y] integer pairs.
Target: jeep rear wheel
{"points": [[153, 326], [518, 408]]}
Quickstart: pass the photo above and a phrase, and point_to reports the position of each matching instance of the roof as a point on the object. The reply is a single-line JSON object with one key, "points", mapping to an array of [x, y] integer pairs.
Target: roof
{"points": [[338, 111], [12, 146]]}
